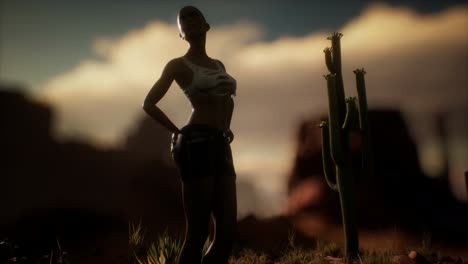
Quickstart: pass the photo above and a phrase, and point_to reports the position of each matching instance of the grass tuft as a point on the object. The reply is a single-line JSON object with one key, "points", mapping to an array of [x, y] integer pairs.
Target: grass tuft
{"points": [[166, 250]]}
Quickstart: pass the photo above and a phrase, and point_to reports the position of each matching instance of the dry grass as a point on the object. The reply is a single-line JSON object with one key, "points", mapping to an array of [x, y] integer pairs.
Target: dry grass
{"points": [[291, 253]]}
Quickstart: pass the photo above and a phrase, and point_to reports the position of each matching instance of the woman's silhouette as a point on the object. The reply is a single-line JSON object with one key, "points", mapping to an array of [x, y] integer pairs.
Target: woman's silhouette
{"points": [[201, 149]]}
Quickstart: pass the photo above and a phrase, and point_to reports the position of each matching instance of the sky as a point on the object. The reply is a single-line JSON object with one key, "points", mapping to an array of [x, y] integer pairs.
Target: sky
{"points": [[60, 33], [94, 62]]}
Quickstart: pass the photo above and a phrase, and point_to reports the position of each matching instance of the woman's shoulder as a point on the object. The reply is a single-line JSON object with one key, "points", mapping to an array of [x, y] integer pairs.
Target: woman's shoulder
{"points": [[173, 66], [220, 63], [175, 62]]}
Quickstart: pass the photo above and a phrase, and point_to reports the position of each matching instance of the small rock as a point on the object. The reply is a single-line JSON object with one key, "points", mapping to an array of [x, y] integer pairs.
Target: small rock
{"points": [[417, 258]]}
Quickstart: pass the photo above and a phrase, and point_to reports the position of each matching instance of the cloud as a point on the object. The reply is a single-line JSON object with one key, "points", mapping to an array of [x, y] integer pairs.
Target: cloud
{"points": [[415, 62]]}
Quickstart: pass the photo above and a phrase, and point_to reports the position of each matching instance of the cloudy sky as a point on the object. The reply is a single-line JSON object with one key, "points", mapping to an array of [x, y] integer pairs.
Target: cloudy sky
{"points": [[94, 61]]}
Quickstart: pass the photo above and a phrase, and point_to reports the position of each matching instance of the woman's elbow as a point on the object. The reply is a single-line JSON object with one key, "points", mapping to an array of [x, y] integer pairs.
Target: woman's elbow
{"points": [[146, 105]]}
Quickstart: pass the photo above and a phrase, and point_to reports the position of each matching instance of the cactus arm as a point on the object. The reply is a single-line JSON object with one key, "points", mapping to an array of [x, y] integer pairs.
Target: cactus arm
{"points": [[334, 121], [341, 97], [361, 89], [351, 113], [336, 59], [328, 60], [328, 165], [336, 51], [366, 148]]}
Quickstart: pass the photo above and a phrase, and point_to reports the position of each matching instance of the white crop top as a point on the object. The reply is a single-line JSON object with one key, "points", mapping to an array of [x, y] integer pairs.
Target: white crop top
{"points": [[209, 81]]}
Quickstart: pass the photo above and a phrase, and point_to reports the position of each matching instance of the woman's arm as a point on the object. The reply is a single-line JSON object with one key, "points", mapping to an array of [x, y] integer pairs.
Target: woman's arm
{"points": [[158, 90], [230, 109]]}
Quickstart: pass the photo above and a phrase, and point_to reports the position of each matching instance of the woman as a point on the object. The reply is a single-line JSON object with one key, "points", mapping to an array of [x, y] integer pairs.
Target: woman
{"points": [[201, 149]]}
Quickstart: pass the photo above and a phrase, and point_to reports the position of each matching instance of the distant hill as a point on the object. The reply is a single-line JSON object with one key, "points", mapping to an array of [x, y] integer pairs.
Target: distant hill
{"points": [[41, 176]]}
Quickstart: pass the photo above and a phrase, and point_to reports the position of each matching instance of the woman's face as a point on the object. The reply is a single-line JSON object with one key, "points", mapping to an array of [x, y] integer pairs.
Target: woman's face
{"points": [[191, 23]]}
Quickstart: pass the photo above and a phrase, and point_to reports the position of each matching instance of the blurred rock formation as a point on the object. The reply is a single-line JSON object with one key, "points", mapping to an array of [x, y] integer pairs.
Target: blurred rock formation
{"points": [[398, 195]]}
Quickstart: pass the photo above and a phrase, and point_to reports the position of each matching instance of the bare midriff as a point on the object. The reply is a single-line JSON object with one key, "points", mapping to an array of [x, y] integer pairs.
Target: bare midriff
{"points": [[212, 110]]}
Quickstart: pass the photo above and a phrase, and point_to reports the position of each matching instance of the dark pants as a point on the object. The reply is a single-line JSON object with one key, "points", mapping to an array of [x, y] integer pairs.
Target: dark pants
{"points": [[203, 151], [204, 159]]}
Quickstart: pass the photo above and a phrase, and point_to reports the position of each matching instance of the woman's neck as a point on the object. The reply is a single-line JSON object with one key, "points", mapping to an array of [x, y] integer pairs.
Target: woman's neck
{"points": [[197, 48]]}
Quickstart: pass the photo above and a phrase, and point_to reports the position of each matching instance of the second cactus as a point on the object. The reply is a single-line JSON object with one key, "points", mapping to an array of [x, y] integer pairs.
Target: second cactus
{"points": [[343, 116]]}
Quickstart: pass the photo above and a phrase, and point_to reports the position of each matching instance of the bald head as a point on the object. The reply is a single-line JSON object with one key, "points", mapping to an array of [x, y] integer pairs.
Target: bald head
{"points": [[190, 10], [191, 22]]}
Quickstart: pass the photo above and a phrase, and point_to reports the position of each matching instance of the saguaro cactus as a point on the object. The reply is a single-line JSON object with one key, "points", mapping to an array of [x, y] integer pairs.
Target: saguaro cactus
{"points": [[343, 116]]}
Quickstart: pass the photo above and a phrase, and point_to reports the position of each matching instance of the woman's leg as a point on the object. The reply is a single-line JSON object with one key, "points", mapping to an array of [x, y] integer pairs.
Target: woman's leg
{"points": [[225, 214], [198, 200]]}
